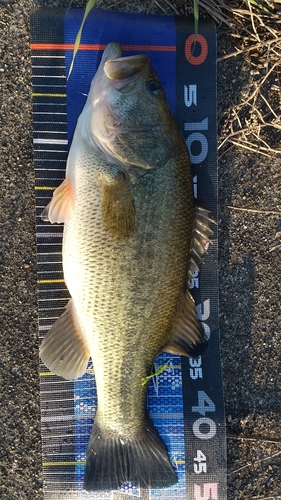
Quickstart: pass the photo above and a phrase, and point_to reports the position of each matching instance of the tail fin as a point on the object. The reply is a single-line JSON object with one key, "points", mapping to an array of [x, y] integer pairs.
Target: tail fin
{"points": [[113, 459]]}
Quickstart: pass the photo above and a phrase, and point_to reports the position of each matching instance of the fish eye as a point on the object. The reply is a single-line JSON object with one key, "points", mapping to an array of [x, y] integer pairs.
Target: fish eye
{"points": [[154, 86]]}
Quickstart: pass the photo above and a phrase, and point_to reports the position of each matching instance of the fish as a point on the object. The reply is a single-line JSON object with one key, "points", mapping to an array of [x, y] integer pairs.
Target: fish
{"points": [[132, 240]]}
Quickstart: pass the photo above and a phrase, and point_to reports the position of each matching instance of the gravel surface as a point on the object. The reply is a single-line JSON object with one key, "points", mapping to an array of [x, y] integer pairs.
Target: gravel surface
{"points": [[249, 261]]}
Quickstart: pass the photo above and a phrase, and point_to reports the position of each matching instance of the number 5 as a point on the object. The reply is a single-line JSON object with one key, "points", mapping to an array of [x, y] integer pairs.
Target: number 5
{"points": [[210, 491], [200, 467]]}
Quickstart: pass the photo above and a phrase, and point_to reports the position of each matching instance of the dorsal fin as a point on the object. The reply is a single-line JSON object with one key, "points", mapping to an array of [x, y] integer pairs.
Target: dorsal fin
{"points": [[200, 240], [187, 336]]}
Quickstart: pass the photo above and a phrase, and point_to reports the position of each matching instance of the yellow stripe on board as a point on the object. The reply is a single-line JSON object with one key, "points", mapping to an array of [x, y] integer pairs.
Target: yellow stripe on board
{"points": [[54, 464], [48, 95], [43, 282], [51, 374], [44, 188]]}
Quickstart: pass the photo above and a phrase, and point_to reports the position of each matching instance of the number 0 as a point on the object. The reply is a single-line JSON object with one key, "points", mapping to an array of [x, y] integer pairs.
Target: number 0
{"points": [[189, 45], [204, 435]]}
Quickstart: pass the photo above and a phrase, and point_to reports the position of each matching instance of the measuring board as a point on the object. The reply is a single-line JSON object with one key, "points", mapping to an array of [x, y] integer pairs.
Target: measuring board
{"points": [[185, 402]]}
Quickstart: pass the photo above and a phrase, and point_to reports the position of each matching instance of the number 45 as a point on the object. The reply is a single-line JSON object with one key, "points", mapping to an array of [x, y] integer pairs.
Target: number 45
{"points": [[200, 464]]}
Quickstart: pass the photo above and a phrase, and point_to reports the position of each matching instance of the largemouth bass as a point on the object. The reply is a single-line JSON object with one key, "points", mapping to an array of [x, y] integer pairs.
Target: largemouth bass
{"points": [[132, 240]]}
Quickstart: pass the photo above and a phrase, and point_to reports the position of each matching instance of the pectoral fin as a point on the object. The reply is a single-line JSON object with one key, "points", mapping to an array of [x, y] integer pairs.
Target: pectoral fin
{"points": [[117, 207], [187, 337], [64, 350], [60, 207]]}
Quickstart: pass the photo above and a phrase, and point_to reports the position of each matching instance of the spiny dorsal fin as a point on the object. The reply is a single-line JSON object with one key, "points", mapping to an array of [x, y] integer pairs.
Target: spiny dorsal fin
{"points": [[187, 337], [200, 240], [60, 207], [117, 207], [65, 350]]}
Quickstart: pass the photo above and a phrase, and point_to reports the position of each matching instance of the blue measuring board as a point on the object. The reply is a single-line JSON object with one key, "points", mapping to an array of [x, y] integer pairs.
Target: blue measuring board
{"points": [[185, 402]]}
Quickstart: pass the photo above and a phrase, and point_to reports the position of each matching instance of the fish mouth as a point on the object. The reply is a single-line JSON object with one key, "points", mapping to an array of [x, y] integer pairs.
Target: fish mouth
{"points": [[112, 51], [125, 67], [119, 68]]}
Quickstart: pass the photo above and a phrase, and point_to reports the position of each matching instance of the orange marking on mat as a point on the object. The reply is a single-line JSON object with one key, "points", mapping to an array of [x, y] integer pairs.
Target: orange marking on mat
{"points": [[84, 46]]}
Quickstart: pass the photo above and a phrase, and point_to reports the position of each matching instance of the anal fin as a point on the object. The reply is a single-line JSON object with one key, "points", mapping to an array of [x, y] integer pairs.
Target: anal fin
{"points": [[187, 336], [64, 350]]}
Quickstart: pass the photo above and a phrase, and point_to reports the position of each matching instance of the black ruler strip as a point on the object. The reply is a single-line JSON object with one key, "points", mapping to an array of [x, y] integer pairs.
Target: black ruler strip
{"points": [[50, 154], [204, 421]]}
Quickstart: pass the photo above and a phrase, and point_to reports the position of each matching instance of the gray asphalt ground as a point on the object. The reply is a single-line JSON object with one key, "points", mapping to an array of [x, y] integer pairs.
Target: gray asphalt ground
{"points": [[249, 262]]}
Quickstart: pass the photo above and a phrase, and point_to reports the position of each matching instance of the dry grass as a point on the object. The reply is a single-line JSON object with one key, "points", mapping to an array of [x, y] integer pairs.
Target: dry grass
{"points": [[255, 25], [254, 123]]}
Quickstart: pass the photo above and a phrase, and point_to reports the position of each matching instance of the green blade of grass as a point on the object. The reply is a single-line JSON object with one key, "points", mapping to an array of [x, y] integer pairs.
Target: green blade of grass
{"points": [[261, 7], [144, 380], [90, 5], [196, 17]]}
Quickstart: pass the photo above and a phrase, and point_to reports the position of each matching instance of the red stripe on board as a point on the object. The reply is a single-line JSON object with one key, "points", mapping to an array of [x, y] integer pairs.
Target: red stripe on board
{"points": [[70, 46]]}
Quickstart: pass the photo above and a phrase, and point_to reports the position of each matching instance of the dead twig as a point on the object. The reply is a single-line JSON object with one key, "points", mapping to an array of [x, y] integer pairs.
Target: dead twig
{"points": [[257, 462], [150, 6], [255, 211], [249, 49], [172, 6], [254, 438]]}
